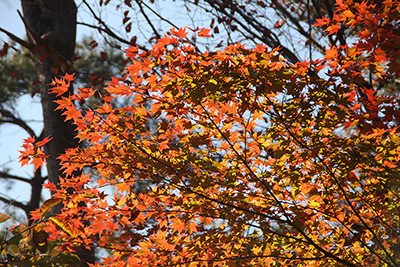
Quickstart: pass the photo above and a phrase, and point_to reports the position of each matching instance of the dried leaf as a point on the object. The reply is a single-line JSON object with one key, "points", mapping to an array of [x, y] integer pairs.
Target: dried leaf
{"points": [[4, 217]]}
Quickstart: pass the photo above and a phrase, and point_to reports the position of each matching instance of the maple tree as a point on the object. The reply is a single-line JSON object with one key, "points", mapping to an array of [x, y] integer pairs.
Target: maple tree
{"points": [[256, 161], [283, 24]]}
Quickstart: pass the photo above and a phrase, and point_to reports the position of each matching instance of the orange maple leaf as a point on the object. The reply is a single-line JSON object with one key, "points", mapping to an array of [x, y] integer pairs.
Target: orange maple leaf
{"points": [[204, 33]]}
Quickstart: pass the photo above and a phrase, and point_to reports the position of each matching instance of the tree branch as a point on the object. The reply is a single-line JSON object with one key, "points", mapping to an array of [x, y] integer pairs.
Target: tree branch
{"points": [[14, 177], [148, 20], [299, 27], [341, 189], [274, 43], [15, 38], [106, 29], [17, 121], [158, 15], [13, 202]]}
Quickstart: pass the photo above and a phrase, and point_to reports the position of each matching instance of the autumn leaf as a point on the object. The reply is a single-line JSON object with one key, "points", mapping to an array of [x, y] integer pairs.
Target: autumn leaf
{"points": [[14, 74], [237, 156], [204, 33], [69, 77], [64, 226], [332, 53], [103, 56], [39, 238], [181, 33], [44, 56], [4, 217], [321, 22], [48, 204], [128, 27], [32, 153], [128, 3], [60, 86]]}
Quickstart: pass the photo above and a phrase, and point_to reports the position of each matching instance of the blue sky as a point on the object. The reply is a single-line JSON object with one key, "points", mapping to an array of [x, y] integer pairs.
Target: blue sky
{"points": [[29, 109]]}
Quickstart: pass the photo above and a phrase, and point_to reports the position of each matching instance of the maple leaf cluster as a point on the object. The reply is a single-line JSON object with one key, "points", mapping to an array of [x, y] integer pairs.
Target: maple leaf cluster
{"points": [[254, 161], [33, 152]]}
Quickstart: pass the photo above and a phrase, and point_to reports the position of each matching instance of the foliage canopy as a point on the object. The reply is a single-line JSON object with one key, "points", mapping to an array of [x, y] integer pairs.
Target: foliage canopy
{"points": [[255, 161]]}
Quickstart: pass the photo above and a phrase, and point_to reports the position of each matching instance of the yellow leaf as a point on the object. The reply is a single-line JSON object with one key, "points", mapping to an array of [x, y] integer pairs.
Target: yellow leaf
{"points": [[65, 227], [48, 204], [313, 204]]}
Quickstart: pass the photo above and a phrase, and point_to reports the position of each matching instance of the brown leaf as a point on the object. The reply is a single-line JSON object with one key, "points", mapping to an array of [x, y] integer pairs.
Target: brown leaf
{"points": [[35, 92], [93, 44], [128, 3], [103, 56], [128, 27], [14, 74], [4, 217], [133, 40], [44, 57], [54, 69], [39, 48], [39, 239], [125, 20]]}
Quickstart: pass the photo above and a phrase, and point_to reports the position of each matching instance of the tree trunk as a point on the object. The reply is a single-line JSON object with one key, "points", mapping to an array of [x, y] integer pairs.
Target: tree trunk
{"points": [[51, 28]]}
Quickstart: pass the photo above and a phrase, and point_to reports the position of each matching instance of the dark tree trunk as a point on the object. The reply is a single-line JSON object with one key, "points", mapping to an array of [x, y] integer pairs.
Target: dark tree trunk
{"points": [[51, 29]]}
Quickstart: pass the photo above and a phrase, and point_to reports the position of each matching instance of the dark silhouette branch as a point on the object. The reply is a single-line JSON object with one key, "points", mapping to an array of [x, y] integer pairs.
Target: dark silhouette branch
{"points": [[266, 36], [33, 36], [106, 29], [158, 15], [300, 29], [36, 193], [18, 40], [13, 202], [148, 20], [6, 175], [9, 117]]}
